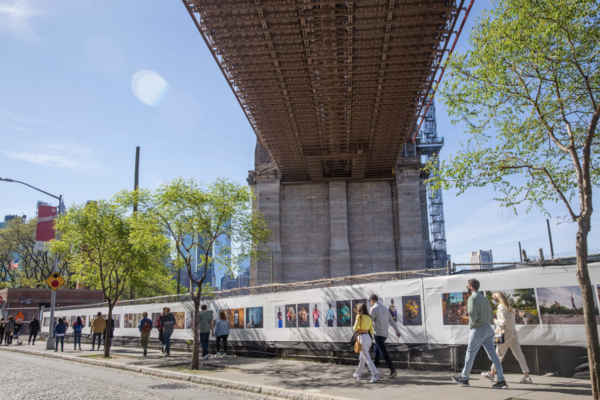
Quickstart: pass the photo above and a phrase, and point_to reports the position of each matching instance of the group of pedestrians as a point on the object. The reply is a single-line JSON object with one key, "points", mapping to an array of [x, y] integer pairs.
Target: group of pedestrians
{"points": [[372, 329], [11, 329]]}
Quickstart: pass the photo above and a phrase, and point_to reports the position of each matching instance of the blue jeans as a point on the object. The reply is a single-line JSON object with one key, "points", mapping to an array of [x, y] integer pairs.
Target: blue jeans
{"points": [[483, 336], [76, 339], [168, 342], [381, 350], [204, 336], [60, 339]]}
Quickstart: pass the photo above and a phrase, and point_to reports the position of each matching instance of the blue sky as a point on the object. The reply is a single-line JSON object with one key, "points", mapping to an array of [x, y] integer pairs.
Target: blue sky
{"points": [[85, 83]]}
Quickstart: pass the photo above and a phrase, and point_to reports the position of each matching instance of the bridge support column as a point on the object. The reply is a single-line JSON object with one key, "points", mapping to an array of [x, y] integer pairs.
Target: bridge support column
{"points": [[268, 201], [339, 249], [411, 249]]}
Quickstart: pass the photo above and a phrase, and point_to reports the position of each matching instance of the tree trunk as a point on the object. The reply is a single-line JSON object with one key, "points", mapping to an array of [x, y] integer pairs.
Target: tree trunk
{"points": [[108, 332], [589, 311], [196, 349]]}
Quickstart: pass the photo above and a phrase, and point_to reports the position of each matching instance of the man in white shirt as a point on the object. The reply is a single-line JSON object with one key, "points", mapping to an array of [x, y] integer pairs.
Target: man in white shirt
{"points": [[382, 319]]}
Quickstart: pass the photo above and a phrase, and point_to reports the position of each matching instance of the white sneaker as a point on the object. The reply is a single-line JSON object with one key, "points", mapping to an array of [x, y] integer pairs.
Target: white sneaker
{"points": [[206, 356], [218, 354], [356, 376], [488, 376], [526, 380], [374, 379]]}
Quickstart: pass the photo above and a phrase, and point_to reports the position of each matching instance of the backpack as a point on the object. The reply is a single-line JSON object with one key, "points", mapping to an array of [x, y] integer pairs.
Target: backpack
{"points": [[146, 328]]}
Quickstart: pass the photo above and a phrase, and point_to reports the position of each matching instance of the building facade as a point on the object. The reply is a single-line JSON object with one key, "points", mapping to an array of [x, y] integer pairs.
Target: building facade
{"points": [[480, 256]]}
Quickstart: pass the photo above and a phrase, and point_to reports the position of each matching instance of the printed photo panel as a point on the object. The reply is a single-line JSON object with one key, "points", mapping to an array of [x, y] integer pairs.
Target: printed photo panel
{"points": [[523, 303], [236, 318], [394, 306], [454, 308], [562, 305], [412, 311], [291, 316], [303, 315], [316, 315], [280, 316], [344, 313], [330, 314], [254, 318]]}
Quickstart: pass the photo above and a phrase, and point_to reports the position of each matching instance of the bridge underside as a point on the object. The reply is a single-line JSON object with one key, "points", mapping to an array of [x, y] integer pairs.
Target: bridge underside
{"points": [[333, 89]]}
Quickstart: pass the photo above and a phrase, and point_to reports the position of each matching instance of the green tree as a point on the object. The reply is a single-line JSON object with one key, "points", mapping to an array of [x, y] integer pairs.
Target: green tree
{"points": [[195, 216], [17, 241], [98, 240], [528, 91]]}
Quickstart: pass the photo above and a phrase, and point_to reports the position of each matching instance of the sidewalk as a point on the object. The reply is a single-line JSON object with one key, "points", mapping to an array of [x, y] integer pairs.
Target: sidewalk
{"points": [[314, 380]]}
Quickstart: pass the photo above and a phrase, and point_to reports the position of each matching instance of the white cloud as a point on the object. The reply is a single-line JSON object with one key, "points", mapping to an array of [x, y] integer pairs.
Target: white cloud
{"points": [[59, 156], [15, 18]]}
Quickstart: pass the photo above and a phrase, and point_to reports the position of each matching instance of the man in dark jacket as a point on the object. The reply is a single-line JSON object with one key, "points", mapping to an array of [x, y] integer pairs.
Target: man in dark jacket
{"points": [[168, 323], [9, 327], [34, 329]]}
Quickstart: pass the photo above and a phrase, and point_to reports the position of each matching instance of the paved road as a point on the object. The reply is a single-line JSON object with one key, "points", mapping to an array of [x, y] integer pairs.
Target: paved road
{"points": [[32, 377]]}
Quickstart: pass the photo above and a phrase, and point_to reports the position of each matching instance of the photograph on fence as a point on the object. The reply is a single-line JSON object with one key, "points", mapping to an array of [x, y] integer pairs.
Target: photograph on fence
{"points": [[454, 306], [303, 315], [392, 304], [562, 305], [316, 315], [330, 314], [344, 313], [355, 304], [412, 311], [236, 318], [254, 318], [291, 316], [522, 302], [280, 312]]}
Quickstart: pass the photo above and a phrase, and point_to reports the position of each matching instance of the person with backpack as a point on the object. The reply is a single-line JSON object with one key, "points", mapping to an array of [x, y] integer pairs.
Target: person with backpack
{"points": [[96, 329], [206, 326], [77, 328], [168, 323], [59, 334], [34, 329], [161, 336], [145, 327], [9, 327]]}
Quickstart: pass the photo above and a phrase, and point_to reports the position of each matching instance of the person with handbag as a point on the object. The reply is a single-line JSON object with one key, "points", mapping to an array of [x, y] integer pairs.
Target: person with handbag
{"points": [[481, 334], [364, 329], [506, 330]]}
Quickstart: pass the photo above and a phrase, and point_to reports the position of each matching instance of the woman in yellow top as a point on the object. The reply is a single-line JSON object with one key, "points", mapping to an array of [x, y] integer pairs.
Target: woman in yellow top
{"points": [[364, 328]]}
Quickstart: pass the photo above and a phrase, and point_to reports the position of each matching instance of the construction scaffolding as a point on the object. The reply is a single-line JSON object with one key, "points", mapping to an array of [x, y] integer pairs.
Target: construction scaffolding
{"points": [[429, 145]]}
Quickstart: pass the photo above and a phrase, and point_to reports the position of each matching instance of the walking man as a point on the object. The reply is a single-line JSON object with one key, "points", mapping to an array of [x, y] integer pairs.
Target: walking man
{"points": [[34, 329], [206, 327], [97, 329], [145, 327], [9, 327], [482, 334], [382, 319]]}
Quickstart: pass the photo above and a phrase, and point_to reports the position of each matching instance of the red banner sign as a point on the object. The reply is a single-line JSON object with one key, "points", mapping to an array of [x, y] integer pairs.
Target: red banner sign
{"points": [[45, 226]]}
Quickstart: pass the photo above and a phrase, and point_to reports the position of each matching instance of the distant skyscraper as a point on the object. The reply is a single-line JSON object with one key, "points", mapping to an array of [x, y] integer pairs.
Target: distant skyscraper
{"points": [[479, 257]]}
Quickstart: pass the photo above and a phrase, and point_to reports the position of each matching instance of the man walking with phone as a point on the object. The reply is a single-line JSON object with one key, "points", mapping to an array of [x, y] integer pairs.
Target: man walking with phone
{"points": [[482, 334], [382, 319]]}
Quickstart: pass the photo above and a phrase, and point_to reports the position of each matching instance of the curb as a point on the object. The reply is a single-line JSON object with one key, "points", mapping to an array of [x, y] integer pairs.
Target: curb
{"points": [[201, 380]]}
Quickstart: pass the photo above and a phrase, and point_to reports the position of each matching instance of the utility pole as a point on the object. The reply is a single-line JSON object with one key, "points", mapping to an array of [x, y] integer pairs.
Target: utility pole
{"points": [[136, 185], [550, 238]]}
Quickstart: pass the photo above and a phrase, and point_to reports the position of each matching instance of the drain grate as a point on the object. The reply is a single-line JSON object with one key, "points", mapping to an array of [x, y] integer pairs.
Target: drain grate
{"points": [[171, 386]]}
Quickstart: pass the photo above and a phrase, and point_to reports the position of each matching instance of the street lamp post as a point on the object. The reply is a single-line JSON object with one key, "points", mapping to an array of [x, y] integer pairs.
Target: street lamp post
{"points": [[50, 341]]}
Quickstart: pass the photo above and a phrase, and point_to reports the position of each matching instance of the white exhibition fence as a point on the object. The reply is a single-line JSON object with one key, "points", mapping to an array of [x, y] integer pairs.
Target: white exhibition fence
{"points": [[547, 303]]}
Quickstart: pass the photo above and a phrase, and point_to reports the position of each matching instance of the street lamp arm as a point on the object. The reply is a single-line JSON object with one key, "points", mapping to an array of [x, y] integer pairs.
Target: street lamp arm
{"points": [[23, 183]]}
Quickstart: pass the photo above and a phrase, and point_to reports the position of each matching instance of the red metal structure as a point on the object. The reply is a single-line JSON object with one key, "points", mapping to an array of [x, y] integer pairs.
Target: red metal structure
{"points": [[333, 89]]}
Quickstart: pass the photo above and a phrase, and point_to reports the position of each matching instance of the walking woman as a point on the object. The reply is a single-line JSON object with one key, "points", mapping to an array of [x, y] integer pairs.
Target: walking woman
{"points": [[364, 330], [506, 322], [59, 334], [77, 328], [221, 331]]}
